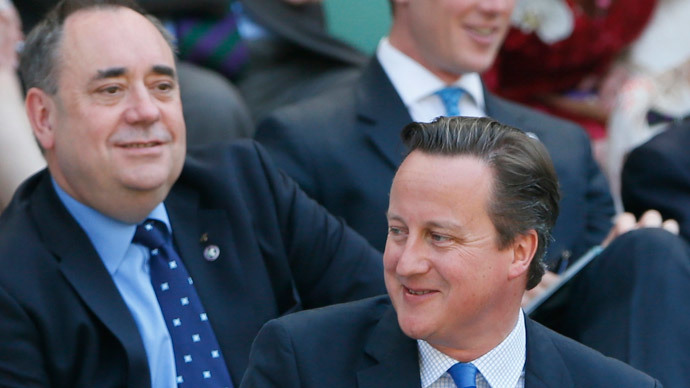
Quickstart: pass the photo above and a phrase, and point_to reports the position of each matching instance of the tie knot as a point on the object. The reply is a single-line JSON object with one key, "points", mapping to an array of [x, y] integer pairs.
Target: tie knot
{"points": [[450, 96], [464, 375], [151, 234]]}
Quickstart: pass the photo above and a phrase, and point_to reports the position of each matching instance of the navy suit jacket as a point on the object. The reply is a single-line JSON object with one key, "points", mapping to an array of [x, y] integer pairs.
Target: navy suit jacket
{"points": [[343, 148], [64, 323], [361, 345], [656, 175]]}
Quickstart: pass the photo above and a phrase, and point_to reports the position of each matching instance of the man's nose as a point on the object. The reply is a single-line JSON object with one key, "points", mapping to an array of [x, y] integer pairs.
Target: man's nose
{"points": [[414, 258], [497, 6], [143, 107]]}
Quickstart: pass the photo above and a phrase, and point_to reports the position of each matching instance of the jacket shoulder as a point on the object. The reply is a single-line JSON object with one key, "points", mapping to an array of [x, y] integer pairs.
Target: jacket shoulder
{"points": [[588, 367]]}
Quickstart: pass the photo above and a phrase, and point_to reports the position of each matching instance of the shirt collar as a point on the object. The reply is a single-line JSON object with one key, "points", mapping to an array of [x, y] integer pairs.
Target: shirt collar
{"points": [[110, 237], [505, 362], [414, 82]]}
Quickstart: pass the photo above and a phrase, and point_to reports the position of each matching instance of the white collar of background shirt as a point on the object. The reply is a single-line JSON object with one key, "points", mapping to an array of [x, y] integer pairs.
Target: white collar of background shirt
{"points": [[416, 86]]}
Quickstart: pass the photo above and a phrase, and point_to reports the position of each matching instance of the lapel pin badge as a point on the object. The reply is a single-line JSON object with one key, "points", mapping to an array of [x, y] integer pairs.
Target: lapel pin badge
{"points": [[211, 252]]}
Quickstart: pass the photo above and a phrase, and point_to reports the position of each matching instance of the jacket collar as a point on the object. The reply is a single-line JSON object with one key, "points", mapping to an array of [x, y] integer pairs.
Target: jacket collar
{"points": [[85, 271], [395, 356], [544, 366]]}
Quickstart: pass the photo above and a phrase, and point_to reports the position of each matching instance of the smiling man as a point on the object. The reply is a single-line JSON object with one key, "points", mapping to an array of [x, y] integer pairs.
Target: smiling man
{"points": [[470, 216], [128, 263], [343, 148]]}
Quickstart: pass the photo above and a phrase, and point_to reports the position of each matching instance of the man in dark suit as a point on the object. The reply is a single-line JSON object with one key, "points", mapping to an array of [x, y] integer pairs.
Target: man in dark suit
{"points": [[657, 175], [343, 148], [78, 300], [470, 214]]}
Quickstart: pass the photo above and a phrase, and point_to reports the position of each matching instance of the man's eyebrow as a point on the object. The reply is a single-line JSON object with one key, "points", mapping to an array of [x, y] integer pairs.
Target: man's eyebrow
{"points": [[110, 73], [164, 70]]}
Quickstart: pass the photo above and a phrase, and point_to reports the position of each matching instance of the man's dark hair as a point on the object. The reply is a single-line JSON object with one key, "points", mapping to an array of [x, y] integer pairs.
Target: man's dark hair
{"points": [[524, 190], [40, 58]]}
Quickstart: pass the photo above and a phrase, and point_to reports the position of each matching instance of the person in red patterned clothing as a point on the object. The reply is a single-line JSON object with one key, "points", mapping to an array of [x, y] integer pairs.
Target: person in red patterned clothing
{"points": [[560, 56]]}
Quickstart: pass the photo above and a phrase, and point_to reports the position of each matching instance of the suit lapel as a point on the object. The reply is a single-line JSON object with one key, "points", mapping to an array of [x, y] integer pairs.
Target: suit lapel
{"points": [[544, 367], [395, 354], [85, 271], [381, 114], [220, 283]]}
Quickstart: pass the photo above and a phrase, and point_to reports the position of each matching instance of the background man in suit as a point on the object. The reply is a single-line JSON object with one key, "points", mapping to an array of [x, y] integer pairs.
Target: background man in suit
{"points": [[78, 299], [470, 215], [657, 175], [343, 148]]}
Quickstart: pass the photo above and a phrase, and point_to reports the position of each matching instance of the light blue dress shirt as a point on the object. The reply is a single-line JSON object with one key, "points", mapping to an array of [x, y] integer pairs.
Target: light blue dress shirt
{"points": [[128, 265]]}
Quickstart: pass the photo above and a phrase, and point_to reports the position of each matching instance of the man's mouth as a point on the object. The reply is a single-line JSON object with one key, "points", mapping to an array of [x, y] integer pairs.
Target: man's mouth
{"points": [[418, 292], [141, 145], [483, 31]]}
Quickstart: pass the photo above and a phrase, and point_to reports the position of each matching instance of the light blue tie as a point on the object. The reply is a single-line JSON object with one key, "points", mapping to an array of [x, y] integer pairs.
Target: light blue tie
{"points": [[464, 375], [450, 96]]}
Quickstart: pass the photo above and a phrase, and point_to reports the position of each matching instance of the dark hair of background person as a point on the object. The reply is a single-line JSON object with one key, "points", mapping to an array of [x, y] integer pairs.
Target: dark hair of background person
{"points": [[39, 61], [525, 191]]}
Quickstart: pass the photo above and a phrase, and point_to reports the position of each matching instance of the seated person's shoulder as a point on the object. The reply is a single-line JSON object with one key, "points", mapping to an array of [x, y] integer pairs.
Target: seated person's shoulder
{"points": [[335, 325], [312, 115], [588, 367], [541, 123]]}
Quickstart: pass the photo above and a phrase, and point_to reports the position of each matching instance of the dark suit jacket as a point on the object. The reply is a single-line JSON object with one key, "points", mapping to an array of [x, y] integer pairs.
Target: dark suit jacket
{"points": [[656, 175], [343, 148], [361, 345], [64, 323]]}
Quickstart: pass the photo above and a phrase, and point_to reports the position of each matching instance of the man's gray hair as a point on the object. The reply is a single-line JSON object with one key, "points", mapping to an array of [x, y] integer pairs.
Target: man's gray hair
{"points": [[40, 58]]}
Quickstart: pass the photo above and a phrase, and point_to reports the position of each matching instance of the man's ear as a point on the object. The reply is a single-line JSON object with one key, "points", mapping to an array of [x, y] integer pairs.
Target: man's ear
{"points": [[40, 108], [524, 247]]}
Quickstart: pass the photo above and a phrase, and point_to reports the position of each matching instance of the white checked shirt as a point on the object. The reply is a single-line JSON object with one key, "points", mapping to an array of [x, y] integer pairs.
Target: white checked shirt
{"points": [[417, 86], [502, 367]]}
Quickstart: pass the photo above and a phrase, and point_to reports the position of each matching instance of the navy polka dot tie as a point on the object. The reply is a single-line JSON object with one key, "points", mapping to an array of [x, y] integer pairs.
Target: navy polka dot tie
{"points": [[464, 375], [450, 97], [198, 360]]}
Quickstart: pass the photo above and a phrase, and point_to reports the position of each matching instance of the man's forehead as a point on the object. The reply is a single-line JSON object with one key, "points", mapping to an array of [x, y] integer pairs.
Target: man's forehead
{"points": [[94, 26], [114, 39]]}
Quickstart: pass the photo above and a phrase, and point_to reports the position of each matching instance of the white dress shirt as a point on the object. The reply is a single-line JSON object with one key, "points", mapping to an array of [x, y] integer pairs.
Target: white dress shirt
{"points": [[502, 367], [416, 86]]}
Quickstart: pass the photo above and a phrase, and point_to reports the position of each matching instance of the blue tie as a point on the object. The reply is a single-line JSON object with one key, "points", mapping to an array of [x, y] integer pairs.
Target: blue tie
{"points": [[198, 360], [464, 375], [450, 96]]}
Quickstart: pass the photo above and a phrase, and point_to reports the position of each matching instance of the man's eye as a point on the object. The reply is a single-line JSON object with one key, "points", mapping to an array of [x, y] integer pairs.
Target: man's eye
{"points": [[110, 90], [164, 87], [439, 237]]}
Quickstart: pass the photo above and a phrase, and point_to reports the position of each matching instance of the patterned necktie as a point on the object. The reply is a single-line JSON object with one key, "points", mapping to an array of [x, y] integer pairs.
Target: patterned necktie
{"points": [[213, 43], [464, 375], [450, 96], [198, 360]]}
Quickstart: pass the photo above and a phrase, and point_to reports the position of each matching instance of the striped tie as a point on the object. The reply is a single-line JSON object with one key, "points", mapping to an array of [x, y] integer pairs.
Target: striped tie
{"points": [[213, 43]]}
